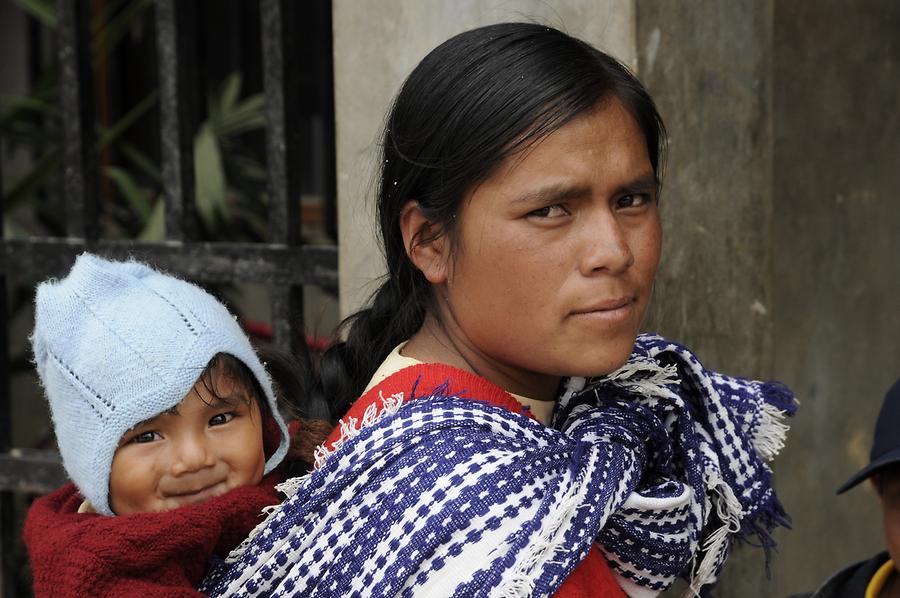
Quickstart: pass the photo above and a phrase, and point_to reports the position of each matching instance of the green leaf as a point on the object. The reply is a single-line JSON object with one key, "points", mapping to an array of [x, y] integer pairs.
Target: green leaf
{"points": [[129, 189], [42, 10], [247, 116], [211, 187], [29, 103], [229, 92], [116, 29], [258, 223], [112, 134], [155, 229], [140, 160], [109, 8], [245, 168]]}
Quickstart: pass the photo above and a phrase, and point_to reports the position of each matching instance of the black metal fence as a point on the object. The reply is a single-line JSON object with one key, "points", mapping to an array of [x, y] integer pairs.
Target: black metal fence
{"points": [[283, 263]]}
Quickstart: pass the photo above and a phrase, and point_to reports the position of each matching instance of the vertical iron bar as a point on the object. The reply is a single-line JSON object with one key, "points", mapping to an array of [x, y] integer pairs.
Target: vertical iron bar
{"points": [[278, 20], [282, 121], [8, 566], [6, 531], [326, 105], [287, 318], [176, 80], [77, 95]]}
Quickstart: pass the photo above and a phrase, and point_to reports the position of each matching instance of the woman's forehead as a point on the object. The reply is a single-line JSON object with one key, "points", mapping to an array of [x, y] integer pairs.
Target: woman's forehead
{"points": [[605, 145]]}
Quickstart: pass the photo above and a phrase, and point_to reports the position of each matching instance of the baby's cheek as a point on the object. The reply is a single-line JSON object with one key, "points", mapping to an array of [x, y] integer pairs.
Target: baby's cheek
{"points": [[256, 461]]}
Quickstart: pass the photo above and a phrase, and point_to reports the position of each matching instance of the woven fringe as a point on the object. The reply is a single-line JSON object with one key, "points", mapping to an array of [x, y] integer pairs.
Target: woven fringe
{"points": [[289, 488], [730, 512], [645, 377], [350, 428], [521, 583], [780, 396], [769, 436]]}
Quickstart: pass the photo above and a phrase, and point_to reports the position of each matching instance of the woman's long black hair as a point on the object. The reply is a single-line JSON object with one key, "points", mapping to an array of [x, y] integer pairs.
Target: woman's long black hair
{"points": [[472, 101]]}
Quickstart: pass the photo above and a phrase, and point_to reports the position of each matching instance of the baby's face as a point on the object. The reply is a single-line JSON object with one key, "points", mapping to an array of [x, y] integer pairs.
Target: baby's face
{"points": [[208, 444]]}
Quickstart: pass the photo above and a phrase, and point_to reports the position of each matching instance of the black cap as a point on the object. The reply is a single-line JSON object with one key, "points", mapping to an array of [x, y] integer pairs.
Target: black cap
{"points": [[886, 444]]}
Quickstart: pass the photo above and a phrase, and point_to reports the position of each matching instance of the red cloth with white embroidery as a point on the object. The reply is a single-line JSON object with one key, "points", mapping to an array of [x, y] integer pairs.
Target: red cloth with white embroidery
{"points": [[592, 578]]}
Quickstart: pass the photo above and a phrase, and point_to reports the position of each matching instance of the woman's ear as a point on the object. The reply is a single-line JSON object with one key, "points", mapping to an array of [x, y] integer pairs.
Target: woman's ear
{"points": [[425, 244]]}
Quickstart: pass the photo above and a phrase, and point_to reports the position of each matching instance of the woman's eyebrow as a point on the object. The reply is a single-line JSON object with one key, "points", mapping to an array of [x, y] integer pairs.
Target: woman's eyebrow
{"points": [[642, 184], [554, 192], [645, 183]]}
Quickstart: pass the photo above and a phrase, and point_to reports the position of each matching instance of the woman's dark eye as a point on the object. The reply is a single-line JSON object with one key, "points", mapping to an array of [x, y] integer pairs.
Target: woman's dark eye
{"points": [[221, 418], [554, 211], [633, 200]]}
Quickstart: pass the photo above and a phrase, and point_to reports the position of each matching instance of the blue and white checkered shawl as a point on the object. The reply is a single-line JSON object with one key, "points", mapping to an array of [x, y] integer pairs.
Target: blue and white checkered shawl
{"points": [[660, 463]]}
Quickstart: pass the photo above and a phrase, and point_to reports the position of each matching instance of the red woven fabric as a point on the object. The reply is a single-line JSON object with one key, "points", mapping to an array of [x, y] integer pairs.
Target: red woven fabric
{"points": [[592, 578]]}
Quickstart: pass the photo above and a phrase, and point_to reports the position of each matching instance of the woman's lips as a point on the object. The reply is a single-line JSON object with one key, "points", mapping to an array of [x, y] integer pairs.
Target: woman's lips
{"points": [[611, 310]]}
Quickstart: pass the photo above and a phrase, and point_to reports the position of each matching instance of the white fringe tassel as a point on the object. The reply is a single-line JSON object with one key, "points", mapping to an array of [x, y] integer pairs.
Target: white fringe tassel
{"points": [[770, 435], [351, 427]]}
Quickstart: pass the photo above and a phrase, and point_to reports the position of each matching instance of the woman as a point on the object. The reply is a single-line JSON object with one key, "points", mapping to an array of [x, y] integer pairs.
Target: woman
{"points": [[518, 211]]}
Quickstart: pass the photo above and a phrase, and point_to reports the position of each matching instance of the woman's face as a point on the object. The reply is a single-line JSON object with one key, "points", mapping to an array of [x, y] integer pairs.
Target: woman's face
{"points": [[554, 256]]}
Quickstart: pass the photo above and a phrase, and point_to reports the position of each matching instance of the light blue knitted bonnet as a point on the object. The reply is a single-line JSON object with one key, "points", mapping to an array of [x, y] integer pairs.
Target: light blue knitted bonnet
{"points": [[117, 343]]}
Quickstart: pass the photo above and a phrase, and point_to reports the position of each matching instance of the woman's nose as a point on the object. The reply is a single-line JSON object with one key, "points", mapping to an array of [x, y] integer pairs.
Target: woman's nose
{"points": [[191, 454], [605, 245]]}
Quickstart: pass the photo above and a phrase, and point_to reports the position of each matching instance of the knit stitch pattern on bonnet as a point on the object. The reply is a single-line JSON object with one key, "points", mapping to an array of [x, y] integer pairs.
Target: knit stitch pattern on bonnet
{"points": [[117, 343]]}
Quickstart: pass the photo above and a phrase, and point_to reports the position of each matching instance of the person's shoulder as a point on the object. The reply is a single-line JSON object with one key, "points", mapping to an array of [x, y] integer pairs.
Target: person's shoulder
{"points": [[850, 582], [46, 511], [415, 382]]}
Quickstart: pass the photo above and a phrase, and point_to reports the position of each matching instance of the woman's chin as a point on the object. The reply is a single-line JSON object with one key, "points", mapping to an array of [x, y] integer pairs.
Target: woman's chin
{"points": [[601, 360]]}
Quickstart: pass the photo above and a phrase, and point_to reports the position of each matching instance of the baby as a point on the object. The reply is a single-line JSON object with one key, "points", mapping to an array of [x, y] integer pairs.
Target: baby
{"points": [[167, 424]]}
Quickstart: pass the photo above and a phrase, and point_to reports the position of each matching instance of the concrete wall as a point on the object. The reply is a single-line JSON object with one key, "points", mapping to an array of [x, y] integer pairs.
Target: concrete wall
{"points": [[709, 71], [836, 277]]}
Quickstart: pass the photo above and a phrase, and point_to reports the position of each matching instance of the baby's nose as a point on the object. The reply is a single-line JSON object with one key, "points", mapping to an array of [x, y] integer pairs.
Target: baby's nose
{"points": [[192, 454]]}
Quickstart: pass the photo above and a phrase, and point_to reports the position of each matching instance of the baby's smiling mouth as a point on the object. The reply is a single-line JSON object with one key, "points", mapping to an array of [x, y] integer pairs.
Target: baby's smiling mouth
{"points": [[200, 494]]}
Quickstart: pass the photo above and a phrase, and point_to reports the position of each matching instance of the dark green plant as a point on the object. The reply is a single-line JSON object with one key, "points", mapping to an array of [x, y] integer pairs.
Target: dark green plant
{"points": [[230, 177]]}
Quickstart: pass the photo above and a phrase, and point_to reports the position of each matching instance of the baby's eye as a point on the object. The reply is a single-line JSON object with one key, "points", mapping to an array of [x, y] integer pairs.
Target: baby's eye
{"points": [[144, 437], [554, 211], [221, 418], [633, 200]]}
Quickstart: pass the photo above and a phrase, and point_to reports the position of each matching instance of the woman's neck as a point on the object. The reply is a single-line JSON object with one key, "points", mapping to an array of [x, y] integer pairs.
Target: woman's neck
{"points": [[440, 341]]}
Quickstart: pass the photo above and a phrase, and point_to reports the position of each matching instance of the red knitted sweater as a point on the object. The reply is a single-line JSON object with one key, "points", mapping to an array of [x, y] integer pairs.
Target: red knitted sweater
{"points": [[142, 554], [592, 577]]}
